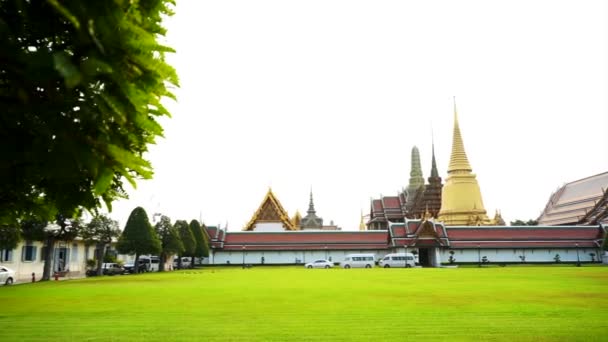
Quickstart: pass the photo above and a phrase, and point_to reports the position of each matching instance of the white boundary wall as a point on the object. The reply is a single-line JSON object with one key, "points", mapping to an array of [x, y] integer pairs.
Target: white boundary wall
{"points": [[513, 255], [493, 255]]}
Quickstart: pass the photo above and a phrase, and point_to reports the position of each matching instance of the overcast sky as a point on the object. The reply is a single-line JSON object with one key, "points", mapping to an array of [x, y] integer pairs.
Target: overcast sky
{"points": [[333, 95]]}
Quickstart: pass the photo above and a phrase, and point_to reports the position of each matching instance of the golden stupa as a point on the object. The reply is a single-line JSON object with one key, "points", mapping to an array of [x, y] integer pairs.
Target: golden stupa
{"points": [[461, 203]]}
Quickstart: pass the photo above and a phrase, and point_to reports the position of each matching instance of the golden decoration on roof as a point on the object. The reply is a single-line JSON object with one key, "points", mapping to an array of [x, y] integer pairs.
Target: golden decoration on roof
{"points": [[270, 210]]}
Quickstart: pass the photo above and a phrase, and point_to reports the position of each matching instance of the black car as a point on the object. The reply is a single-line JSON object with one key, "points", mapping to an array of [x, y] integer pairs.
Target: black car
{"points": [[143, 267]]}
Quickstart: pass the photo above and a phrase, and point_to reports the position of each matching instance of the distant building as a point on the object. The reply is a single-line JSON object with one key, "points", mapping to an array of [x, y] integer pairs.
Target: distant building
{"points": [[458, 202], [272, 217], [582, 202]]}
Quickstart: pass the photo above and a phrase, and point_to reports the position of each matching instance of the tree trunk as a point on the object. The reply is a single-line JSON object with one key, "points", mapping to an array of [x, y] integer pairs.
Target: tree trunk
{"points": [[161, 264], [179, 262], [192, 263], [100, 253], [48, 258], [136, 264]]}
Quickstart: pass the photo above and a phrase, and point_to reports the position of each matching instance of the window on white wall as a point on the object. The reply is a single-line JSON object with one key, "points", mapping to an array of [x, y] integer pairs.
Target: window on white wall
{"points": [[28, 252], [74, 252], [6, 255], [42, 253]]}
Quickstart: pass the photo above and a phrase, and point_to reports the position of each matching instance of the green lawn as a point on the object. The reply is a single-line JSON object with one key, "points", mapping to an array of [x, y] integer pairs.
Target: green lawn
{"points": [[288, 303]]}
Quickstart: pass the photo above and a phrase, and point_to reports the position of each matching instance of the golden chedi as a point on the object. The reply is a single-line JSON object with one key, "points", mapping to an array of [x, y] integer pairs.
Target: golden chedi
{"points": [[461, 203]]}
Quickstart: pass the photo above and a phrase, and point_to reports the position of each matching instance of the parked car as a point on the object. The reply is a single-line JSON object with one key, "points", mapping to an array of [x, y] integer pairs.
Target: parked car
{"points": [[111, 268], [321, 263], [359, 260], [152, 263], [186, 262], [398, 260], [142, 267], [7, 275]]}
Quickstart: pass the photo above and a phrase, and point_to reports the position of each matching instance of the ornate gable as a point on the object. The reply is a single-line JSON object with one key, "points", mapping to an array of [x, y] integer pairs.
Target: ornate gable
{"points": [[270, 210]]}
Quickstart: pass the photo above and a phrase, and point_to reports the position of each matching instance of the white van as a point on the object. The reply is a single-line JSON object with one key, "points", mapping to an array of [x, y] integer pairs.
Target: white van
{"points": [[398, 260], [358, 260]]}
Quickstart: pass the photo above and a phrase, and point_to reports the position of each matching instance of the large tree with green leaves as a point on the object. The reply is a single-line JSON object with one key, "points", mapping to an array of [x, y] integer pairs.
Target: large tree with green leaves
{"points": [[100, 232], [9, 236], [524, 223], [169, 240], [81, 84], [138, 237], [185, 234], [201, 249], [62, 229]]}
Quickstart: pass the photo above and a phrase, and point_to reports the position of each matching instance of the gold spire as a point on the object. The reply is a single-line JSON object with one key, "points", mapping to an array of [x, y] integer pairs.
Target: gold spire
{"points": [[461, 203], [362, 224], [458, 159]]}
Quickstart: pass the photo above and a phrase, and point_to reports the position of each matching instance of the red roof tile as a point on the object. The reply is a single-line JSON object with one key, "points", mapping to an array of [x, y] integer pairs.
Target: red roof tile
{"points": [[377, 205], [520, 233], [300, 237], [391, 202]]}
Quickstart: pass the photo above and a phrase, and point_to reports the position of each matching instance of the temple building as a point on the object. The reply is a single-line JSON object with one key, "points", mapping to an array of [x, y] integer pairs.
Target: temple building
{"points": [[582, 202], [272, 217], [311, 220], [414, 202]]}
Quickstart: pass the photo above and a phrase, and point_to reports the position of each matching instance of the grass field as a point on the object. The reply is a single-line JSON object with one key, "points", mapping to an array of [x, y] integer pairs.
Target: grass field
{"points": [[288, 303]]}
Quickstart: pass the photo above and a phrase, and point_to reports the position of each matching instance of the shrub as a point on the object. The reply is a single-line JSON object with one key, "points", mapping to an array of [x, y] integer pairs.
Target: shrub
{"points": [[557, 258], [451, 259]]}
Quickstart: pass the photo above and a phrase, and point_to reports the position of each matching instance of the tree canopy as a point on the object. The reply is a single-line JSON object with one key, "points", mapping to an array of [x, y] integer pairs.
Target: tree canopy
{"points": [[9, 236], [169, 240], [201, 249], [185, 234], [100, 232], [522, 223], [138, 237], [81, 84]]}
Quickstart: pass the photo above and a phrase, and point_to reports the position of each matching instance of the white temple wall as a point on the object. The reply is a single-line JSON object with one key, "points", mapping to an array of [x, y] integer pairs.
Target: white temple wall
{"points": [[221, 257], [538, 255], [514, 255]]}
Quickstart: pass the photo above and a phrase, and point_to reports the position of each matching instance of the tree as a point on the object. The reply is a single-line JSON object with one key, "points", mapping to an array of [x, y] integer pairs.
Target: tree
{"points": [[138, 237], [63, 229], [169, 240], [81, 84], [9, 237], [100, 232], [185, 234], [202, 248], [522, 223]]}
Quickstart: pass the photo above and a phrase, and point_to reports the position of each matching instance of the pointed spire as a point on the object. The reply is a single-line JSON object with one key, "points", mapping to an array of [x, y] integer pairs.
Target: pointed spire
{"points": [[311, 205], [434, 172], [458, 159], [416, 179], [362, 223]]}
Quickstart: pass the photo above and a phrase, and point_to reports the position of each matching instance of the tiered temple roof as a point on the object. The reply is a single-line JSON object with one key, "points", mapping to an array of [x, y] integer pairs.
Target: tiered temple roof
{"points": [[311, 220], [583, 201], [270, 211]]}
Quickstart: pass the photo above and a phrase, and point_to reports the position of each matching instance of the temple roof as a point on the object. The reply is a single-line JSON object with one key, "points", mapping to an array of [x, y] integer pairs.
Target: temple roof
{"points": [[413, 233], [305, 240], [571, 203], [311, 220], [270, 210]]}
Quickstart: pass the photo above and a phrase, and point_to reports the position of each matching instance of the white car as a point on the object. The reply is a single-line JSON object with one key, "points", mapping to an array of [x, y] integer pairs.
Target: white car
{"points": [[7, 276], [321, 263]]}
